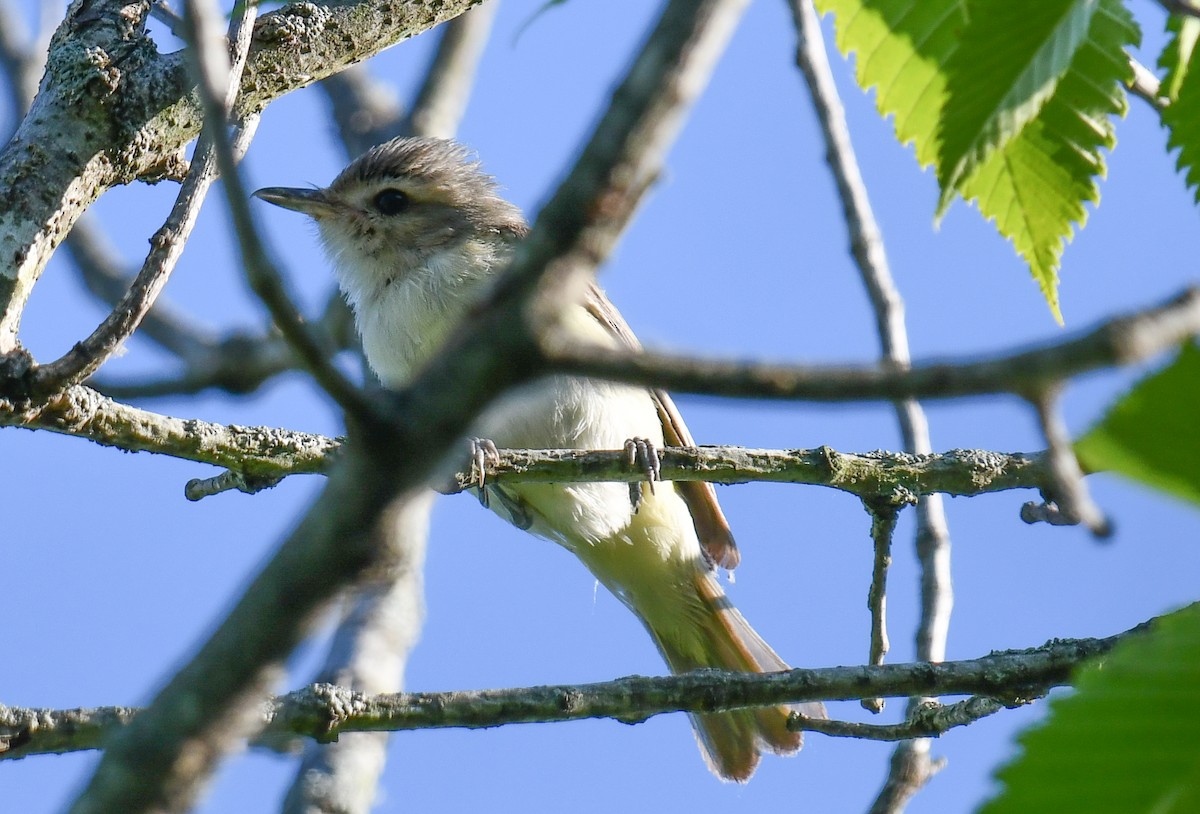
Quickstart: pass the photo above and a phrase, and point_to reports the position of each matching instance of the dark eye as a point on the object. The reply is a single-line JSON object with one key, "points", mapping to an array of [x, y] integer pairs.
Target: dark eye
{"points": [[391, 202]]}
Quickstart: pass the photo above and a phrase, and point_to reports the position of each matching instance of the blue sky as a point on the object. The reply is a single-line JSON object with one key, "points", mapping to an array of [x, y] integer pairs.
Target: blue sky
{"points": [[740, 251]]}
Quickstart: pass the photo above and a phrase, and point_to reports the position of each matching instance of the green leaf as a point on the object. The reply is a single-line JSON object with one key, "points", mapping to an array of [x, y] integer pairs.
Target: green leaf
{"points": [[1176, 56], [1182, 86], [1125, 742], [1010, 59], [1150, 434], [1034, 186], [901, 47], [1034, 183]]}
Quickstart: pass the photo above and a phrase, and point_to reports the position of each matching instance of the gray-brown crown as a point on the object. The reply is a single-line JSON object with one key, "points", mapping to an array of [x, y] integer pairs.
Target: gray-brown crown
{"points": [[443, 170]]}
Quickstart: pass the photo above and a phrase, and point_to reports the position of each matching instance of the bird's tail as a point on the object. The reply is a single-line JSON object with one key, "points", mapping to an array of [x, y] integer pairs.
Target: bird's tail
{"points": [[719, 636]]}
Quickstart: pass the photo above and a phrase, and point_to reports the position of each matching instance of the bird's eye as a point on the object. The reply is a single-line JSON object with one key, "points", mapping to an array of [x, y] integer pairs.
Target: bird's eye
{"points": [[391, 202]]}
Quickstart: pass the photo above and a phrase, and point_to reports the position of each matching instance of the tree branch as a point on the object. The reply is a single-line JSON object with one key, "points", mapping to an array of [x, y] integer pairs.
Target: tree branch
{"points": [[884, 514], [111, 109], [1146, 86], [255, 451], [1067, 498], [928, 719], [368, 654], [370, 648], [161, 758], [104, 275], [1118, 341], [211, 65], [325, 711], [866, 245], [265, 453]]}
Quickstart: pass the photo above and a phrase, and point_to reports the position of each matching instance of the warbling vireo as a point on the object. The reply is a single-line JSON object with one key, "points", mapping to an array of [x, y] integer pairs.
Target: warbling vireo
{"points": [[416, 232]]}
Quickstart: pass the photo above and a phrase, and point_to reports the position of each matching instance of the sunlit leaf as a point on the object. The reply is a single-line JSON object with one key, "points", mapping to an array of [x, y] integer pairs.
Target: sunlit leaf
{"points": [[1150, 434], [1035, 185], [1182, 86], [1125, 742], [1011, 57], [901, 47], [1036, 148], [1176, 56]]}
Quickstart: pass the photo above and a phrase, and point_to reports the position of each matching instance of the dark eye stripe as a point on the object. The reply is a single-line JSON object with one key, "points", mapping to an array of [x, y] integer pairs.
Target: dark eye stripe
{"points": [[391, 202]]}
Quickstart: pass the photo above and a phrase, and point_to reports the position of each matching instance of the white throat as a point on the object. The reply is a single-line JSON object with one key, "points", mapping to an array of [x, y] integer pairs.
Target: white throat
{"points": [[404, 316]]}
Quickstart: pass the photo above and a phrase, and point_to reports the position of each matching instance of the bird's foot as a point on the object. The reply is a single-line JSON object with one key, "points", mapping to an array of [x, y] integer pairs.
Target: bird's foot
{"points": [[643, 456], [508, 504], [483, 453]]}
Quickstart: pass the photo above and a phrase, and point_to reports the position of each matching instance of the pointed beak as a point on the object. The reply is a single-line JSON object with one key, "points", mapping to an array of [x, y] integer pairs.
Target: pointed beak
{"points": [[311, 202]]}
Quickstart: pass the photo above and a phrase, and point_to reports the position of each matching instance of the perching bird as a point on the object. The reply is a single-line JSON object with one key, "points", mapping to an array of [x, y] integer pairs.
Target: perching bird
{"points": [[416, 232]]}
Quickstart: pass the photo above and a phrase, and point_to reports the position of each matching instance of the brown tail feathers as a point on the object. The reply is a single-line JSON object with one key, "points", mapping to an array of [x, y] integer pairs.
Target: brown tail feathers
{"points": [[732, 742]]}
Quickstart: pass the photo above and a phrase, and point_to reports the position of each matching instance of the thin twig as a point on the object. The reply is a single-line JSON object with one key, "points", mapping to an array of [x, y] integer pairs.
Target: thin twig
{"points": [[928, 720], [212, 68], [366, 111], [442, 98], [1121, 340], [368, 654], [261, 454], [1067, 499], [1146, 86], [884, 514], [254, 452], [369, 650], [85, 357], [326, 711], [866, 243], [105, 277], [159, 761], [237, 364], [162, 11]]}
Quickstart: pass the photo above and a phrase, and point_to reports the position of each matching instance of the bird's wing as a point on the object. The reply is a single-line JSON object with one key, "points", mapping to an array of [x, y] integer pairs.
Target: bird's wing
{"points": [[716, 538]]}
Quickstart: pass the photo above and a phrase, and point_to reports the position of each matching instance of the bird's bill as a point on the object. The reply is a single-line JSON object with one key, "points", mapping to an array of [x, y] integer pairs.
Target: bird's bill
{"points": [[311, 202]]}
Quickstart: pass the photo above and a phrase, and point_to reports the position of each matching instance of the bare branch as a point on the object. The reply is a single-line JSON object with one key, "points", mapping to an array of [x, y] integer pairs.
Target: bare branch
{"points": [[261, 454], [368, 654], [367, 112], [1146, 86], [884, 514], [883, 475], [77, 143], [866, 245], [928, 720], [238, 364], [214, 73], [86, 357], [325, 711], [162, 11], [443, 96], [211, 701], [1118, 341], [1068, 501]]}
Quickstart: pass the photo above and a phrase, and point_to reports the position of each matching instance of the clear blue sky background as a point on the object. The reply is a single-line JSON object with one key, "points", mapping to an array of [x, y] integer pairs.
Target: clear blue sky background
{"points": [[112, 578]]}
